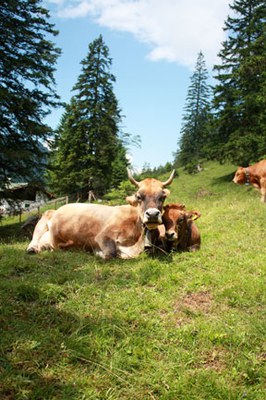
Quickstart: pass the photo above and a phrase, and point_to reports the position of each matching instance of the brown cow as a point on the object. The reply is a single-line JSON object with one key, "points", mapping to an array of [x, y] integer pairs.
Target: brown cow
{"points": [[181, 233], [150, 196], [254, 175], [109, 231]]}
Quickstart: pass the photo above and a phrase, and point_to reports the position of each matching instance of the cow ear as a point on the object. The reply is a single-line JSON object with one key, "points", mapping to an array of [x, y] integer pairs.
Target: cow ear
{"points": [[132, 200], [193, 215], [166, 207], [166, 192]]}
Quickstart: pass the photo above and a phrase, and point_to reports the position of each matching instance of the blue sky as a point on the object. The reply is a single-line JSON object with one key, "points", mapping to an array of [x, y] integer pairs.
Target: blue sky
{"points": [[154, 46]]}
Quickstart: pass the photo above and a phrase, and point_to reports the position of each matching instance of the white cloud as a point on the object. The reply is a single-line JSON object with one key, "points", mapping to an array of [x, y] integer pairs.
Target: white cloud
{"points": [[176, 30], [57, 2]]}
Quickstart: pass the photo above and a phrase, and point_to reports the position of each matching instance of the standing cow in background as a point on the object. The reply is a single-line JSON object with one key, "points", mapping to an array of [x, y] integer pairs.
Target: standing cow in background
{"points": [[181, 233], [254, 175], [109, 231]]}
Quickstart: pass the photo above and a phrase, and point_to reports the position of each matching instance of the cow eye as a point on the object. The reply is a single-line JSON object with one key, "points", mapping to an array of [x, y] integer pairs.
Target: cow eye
{"points": [[162, 197], [138, 197]]}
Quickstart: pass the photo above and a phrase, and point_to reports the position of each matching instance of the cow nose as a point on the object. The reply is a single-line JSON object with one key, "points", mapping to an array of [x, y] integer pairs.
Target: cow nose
{"points": [[170, 235], [152, 215]]}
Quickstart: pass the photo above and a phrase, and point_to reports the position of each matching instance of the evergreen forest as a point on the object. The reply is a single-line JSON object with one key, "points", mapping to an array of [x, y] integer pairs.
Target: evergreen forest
{"points": [[224, 122]]}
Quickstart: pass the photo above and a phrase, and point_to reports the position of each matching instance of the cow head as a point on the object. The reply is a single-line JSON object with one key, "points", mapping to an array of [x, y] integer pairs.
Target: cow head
{"points": [[240, 176], [150, 197], [175, 218]]}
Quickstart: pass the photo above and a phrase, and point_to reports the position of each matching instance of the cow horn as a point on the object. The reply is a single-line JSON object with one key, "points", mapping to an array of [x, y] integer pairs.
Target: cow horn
{"points": [[169, 180], [132, 180]]}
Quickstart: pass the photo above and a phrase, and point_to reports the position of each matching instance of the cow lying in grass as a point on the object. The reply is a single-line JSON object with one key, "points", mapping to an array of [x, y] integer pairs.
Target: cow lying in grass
{"points": [[181, 233], [177, 233], [109, 231], [254, 175]]}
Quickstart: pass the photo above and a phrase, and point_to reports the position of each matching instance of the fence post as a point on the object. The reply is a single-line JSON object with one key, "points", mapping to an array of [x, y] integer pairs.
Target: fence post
{"points": [[91, 196]]}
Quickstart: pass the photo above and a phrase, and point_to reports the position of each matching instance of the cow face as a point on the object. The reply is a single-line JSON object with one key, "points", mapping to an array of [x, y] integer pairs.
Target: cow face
{"points": [[240, 176], [150, 197], [175, 217]]}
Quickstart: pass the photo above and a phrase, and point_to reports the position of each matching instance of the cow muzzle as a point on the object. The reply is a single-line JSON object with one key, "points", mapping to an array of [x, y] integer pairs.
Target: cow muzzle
{"points": [[152, 218], [171, 235]]}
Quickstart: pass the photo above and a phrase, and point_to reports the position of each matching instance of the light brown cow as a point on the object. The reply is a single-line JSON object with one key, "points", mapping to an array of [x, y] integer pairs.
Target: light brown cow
{"points": [[254, 175], [181, 233], [109, 231], [150, 196]]}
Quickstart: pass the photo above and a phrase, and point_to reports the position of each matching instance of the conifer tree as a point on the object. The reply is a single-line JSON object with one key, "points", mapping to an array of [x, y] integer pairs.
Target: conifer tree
{"points": [[89, 151], [27, 63], [240, 95], [195, 126]]}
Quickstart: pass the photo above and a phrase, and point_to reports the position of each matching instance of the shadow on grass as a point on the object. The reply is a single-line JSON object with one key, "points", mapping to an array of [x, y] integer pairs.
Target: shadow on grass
{"points": [[31, 346], [159, 254], [223, 179], [33, 328], [12, 233], [42, 345]]}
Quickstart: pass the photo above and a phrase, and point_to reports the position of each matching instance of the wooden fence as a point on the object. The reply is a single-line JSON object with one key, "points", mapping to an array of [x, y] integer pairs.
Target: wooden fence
{"points": [[55, 202], [49, 204], [52, 204]]}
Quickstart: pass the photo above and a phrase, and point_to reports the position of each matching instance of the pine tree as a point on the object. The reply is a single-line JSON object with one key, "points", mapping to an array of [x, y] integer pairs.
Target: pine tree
{"points": [[240, 95], [89, 148], [27, 63], [195, 126], [63, 177]]}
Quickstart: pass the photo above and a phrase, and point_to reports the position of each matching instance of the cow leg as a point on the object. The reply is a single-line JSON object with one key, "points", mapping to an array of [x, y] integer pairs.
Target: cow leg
{"points": [[107, 247], [263, 190], [193, 248], [40, 237], [170, 246], [45, 242], [66, 245], [149, 239]]}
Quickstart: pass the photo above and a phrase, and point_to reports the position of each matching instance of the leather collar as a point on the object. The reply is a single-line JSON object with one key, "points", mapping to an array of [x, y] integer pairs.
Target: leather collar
{"points": [[247, 176]]}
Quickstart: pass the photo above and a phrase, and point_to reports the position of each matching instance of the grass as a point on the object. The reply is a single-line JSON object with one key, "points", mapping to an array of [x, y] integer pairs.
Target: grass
{"points": [[187, 326]]}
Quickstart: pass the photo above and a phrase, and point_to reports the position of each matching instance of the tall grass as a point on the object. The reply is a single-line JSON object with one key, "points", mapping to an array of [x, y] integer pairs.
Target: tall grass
{"points": [[172, 327]]}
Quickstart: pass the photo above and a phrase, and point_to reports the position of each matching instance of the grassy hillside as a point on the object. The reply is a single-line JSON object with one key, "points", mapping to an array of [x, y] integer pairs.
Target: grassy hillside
{"points": [[187, 326]]}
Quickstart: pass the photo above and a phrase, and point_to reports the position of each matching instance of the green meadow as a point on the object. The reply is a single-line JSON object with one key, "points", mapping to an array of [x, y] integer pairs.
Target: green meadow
{"points": [[183, 326]]}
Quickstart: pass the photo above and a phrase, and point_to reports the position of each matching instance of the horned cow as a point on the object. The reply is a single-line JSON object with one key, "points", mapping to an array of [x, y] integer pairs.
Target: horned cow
{"points": [[254, 175], [109, 231]]}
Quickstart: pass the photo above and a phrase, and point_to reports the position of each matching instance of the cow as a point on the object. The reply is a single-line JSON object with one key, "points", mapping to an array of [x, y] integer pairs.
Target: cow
{"points": [[108, 231], [254, 175], [181, 233]]}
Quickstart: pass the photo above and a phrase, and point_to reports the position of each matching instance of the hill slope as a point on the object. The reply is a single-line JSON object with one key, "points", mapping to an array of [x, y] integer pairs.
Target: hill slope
{"points": [[184, 326]]}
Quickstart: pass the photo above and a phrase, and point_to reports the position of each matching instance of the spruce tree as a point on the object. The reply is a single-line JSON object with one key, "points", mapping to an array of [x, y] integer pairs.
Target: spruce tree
{"points": [[195, 125], [27, 63], [240, 95], [89, 153]]}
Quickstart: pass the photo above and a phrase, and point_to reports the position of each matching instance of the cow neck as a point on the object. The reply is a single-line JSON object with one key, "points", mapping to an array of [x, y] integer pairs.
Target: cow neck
{"points": [[140, 219], [247, 176], [184, 228]]}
